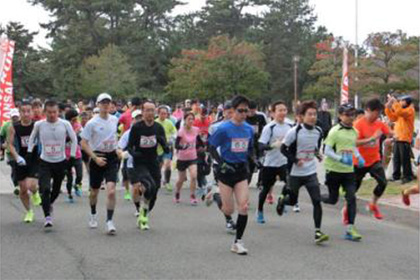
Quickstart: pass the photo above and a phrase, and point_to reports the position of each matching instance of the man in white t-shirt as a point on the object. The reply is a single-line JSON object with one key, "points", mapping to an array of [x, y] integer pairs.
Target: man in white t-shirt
{"points": [[99, 141]]}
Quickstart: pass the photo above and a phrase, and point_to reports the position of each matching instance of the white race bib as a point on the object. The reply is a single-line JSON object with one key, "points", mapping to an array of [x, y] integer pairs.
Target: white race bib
{"points": [[148, 141], [53, 149], [24, 141], [109, 146], [239, 145]]}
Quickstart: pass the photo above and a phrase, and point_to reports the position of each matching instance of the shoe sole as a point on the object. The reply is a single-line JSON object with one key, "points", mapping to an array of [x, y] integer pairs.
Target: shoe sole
{"points": [[322, 240], [111, 232], [240, 254], [347, 237]]}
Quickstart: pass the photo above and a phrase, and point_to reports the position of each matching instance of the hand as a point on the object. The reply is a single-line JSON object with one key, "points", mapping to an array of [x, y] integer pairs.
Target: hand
{"points": [[319, 156], [276, 144], [300, 163], [100, 161], [21, 161], [347, 159], [125, 155], [361, 162]]}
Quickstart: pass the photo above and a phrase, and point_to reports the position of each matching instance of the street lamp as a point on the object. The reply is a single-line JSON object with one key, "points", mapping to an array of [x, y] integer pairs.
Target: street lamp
{"points": [[296, 59]]}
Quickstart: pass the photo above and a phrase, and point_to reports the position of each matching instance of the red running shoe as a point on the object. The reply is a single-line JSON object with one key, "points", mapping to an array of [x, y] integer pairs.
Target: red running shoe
{"points": [[344, 216], [375, 210], [270, 198], [405, 198]]}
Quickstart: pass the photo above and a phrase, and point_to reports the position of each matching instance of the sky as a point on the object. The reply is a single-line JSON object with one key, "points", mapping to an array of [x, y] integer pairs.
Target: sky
{"points": [[337, 15]]}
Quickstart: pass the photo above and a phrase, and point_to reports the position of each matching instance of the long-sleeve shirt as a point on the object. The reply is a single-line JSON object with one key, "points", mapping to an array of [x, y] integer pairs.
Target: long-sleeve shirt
{"points": [[52, 137], [404, 121]]}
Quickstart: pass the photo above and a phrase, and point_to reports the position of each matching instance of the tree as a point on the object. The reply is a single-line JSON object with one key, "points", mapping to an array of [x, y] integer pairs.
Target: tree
{"points": [[226, 68], [107, 72]]}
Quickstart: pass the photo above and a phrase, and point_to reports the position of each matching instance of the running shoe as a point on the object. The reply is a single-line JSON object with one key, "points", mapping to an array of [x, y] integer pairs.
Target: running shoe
{"points": [[168, 187], [110, 228], [177, 198], [280, 205], [344, 216], [296, 208], [78, 190], [93, 221], [137, 213], [36, 199], [260, 217], [231, 227], [143, 220], [16, 191], [70, 199], [48, 222], [29, 217], [127, 195], [352, 234], [193, 201], [270, 199], [375, 210], [405, 198], [239, 248], [320, 237]]}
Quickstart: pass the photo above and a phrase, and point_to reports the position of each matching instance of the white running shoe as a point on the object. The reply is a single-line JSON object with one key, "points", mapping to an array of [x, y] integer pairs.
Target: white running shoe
{"points": [[111, 230], [137, 213], [238, 248], [93, 221], [296, 208]]}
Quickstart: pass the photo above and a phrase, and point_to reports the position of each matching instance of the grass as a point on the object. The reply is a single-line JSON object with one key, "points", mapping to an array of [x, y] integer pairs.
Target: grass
{"points": [[392, 189]]}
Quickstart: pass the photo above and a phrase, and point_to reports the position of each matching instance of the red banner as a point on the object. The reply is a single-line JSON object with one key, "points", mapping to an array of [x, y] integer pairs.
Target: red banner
{"points": [[345, 79], [7, 47]]}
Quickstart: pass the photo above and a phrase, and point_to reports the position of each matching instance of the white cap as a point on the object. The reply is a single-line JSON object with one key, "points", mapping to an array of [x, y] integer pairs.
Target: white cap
{"points": [[14, 113], [102, 97], [136, 113], [96, 110]]}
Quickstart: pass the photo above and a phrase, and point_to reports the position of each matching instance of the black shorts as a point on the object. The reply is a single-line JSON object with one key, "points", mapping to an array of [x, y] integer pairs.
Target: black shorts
{"points": [[148, 175], [269, 175], [109, 172], [183, 165], [30, 170], [85, 157], [232, 178]]}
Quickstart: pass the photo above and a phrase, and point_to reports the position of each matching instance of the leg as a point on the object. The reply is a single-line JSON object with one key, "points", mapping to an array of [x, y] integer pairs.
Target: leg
{"points": [[182, 176], [79, 172], [69, 175], [242, 197], [45, 187], [23, 194], [396, 160], [378, 172], [268, 180], [111, 200], [193, 179], [226, 193], [167, 170], [333, 182], [312, 186], [406, 161], [349, 186], [58, 177]]}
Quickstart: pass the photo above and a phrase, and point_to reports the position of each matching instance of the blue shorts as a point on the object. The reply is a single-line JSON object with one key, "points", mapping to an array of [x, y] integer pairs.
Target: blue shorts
{"points": [[168, 156]]}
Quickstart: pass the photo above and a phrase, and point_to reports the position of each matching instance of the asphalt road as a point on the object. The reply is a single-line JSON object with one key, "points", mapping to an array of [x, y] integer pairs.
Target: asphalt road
{"points": [[187, 242]]}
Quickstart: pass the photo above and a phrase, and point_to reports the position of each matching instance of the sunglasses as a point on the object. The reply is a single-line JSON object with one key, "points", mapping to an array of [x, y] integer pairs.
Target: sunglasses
{"points": [[240, 111], [350, 114]]}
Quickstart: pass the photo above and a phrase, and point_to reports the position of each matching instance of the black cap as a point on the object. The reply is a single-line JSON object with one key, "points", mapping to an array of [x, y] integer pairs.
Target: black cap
{"points": [[72, 113], [345, 108], [227, 105]]}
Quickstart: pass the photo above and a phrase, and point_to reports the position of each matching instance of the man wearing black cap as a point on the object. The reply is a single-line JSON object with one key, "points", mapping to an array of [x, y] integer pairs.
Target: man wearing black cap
{"points": [[402, 113]]}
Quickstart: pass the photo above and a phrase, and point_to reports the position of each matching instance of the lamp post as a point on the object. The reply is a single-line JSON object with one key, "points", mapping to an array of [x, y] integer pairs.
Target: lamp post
{"points": [[296, 59]]}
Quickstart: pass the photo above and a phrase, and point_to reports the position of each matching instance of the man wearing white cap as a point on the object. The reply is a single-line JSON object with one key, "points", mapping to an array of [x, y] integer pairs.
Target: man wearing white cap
{"points": [[99, 141]]}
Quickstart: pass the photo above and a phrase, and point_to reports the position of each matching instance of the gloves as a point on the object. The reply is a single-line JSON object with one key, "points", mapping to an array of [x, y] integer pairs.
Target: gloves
{"points": [[347, 159], [125, 155], [21, 161], [361, 162], [226, 168], [276, 144]]}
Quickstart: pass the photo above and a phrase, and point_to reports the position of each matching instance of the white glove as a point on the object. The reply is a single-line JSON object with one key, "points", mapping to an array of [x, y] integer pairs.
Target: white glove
{"points": [[276, 144], [125, 155], [21, 161]]}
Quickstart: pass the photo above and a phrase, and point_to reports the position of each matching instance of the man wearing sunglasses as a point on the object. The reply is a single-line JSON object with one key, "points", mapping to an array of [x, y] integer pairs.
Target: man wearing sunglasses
{"points": [[340, 146], [235, 139]]}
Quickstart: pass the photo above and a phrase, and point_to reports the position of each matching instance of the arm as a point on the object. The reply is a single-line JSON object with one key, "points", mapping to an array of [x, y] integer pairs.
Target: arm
{"points": [[405, 113], [390, 114], [215, 154], [329, 152], [161, 139], [10, 143], [178, 145], [33, 137], [73, 138]]}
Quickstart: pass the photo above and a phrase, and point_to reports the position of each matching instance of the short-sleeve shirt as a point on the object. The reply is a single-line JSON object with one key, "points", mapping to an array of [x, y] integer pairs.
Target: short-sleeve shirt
{"points": [[101, 134], [235, 141], [365, 129], [123, 143], [126, 119], [203, 127], [188, 139], [170, 132], [343, 141], [271, 133]]}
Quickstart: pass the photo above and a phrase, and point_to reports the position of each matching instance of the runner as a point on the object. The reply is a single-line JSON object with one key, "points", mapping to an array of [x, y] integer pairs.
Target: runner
{"points": [[125, 118], [99, 141], [301, 146], [51, 134], [166, 158], [71, 116], [127, 168], [214, 194], [235, 139], [340, 147], [369, 130], [145, 136], [187, 142], [26, 172], [275, 163], [414, 189]]}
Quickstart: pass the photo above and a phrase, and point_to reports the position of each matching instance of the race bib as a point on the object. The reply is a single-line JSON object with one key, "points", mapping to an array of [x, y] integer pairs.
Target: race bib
{"points": [[239, 145], [306, 155], [53, 149], [108, 146], [148, 141], [24, 141]]}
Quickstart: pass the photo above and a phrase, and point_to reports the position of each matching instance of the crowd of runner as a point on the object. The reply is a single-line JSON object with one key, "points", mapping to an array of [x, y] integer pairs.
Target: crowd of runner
{"points": [[141, 143]]}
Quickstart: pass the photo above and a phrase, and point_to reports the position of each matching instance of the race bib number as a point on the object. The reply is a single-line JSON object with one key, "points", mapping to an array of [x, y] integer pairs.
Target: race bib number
{"points": [[24, 141], [306, 155], [109, 146], [53, 149], [239, 145], [148, 141]]}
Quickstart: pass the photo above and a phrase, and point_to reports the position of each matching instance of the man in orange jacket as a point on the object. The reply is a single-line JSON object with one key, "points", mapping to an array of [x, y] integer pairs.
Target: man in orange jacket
{"points": [[402, 113]]}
